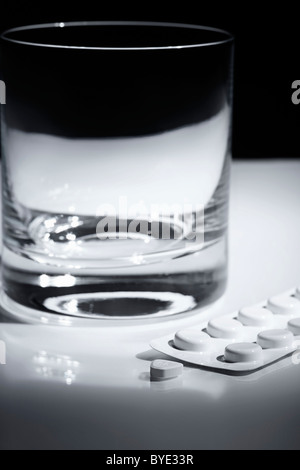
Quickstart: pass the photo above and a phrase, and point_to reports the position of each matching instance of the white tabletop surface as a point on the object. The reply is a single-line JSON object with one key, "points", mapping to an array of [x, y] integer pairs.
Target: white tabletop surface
{"points": [[81, 388]]}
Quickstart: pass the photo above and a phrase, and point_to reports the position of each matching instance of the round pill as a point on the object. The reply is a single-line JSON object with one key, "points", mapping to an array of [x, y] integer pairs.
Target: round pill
{"points": [[270, 339], [294, 326], [255, 316], [192, 340], [226, 328], [161, 369], [284, 305], [243, 352]]}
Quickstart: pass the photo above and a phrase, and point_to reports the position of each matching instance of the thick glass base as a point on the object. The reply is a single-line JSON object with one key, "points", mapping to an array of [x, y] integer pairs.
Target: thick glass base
{"points": [[57, 297]]}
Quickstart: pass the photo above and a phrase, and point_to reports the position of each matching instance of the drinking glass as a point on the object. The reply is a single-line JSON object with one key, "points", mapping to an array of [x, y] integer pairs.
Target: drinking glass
{"points": [[115, 161]]}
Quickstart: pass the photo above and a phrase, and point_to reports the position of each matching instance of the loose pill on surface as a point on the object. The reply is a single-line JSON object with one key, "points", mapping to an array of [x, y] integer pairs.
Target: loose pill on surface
{"points": [[162, 370], [298, 293], [294, 326], [243, 352], [191, 339], [255, 316], [226, 328], [275, 339], [284, 305]]}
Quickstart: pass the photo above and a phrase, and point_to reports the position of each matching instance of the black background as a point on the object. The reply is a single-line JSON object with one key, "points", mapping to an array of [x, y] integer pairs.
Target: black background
{"points": [[265, 122]]}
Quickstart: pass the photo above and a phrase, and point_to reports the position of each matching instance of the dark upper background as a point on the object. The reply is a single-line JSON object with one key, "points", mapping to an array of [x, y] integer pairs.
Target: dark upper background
{"points": [[265, 121]]}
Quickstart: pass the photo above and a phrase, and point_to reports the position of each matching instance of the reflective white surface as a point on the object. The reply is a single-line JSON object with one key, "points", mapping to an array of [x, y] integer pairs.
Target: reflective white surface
{"points": [[81, 388]]}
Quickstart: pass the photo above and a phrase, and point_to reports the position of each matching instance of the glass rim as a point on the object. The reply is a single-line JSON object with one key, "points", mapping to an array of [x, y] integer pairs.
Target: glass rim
{"points": [[228, 37]]}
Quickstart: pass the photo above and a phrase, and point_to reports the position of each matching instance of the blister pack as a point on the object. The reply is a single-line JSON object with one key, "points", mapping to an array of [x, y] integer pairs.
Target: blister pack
{"points": [[243, 341]]}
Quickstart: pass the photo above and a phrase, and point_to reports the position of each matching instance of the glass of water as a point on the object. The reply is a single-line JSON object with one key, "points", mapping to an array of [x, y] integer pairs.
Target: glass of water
{"points": [[115, 162]]}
